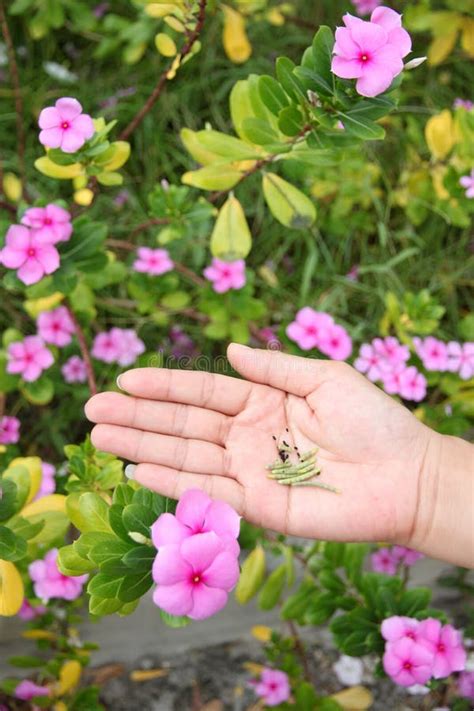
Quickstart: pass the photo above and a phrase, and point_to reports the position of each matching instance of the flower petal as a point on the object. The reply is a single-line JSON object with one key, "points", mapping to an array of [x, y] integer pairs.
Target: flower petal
{"points": [[347, 68], [174, 599], [222, 519], [48, 257], [49, 118], [68, 108], [169, 567], [84, 125], [168, 530], [223, 572], [400, 40], [374, 83], [30, 272], [72, 140], [192, 508], [200, 550], [345, 45], [206, 602], [51, 137], [386, 18], [369, 36]]}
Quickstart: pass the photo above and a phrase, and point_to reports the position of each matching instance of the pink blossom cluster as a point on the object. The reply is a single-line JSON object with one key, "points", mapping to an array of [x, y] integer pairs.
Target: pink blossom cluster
{"points": [[49, 582], [9, 429], [439, 356], [119, 345], [48, 481], [416, 652], [385, 360], [363, 7], [28, 612], [74, 370], [467, 182], [466, 685], [226, 275], [317, 329], [64, 125], [27, 690], [28, 358], [56, 326], [30, 247], [371, 51], [273, 686], [152, 261], [388, 560], [465, 104], [197, 561]]}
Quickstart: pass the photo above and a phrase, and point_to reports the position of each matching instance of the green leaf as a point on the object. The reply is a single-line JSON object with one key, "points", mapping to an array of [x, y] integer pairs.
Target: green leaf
{"points": [[259, 131], [140, 558], [296, 605], [116, 523], [102, 606], [109, 550], [290, 121], [226, 146], [71, 563], [356, 125], [24, 528], [231, 238], [272, 588], [138, 519], [94, 512], [251, 576], [123, 494], [413, 601], [40, 392], [12, 547], [219, 176], [290, 83], [287, 204], [323, 45], [88, 540], [272, 94], [102, 585], [134, 586], [150, 499], [8, 499], [20, 476], [173, 620]]}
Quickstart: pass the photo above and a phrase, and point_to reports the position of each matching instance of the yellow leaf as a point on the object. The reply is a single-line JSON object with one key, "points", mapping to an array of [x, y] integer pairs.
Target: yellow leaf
{"points": [[59, 706], [268, 275], [165, 45], [467, 36], [34, 307], [213, 177], [157, 9], [287, 204], [195, 148], [438, 174], [83, 197], [33, 466], [356, 698], [262, 633], [38, 634], [61, 172], [231, 238], [11, 589], [147, 674], [441, 47], [240, 105], [234, 37], [69, 676], [175, 24], [51, 502], [253, 668], [115, 157], [252, 575], [12, 187], [275, 17], [440, 134]]}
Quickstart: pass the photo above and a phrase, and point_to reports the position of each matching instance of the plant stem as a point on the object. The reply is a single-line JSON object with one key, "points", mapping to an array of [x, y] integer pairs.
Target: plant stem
{"points": [[81, 339], [6, 206], [155, 94], [15, 77], [301, 651]]}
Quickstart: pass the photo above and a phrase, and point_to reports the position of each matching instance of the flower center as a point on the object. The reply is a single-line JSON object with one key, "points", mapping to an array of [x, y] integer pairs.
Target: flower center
{"points": [[48, 221], [410, 635], [407, 666], [65, 125], [196, 579], [31, 252], [364, 57], [441, 648], [334, 342]]}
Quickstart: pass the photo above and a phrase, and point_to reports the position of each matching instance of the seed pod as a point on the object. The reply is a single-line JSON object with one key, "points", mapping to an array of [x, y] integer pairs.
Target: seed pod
{"points": [[319, 485]]}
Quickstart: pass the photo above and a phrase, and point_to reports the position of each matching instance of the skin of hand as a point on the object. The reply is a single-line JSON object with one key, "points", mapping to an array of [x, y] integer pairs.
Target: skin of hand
{"points": [[193, 429]]}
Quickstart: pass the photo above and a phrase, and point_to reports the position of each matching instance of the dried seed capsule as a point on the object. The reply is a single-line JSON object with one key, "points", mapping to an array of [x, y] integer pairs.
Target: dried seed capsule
{"points": [[308, 455], [319, 485]]}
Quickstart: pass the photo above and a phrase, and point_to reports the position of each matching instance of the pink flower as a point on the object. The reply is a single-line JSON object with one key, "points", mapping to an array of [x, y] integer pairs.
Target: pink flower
{"points": [[461, 359], [273, 687], [197, 513], [391, 352], [466, 685], [118, 345], [74, 370], [463, 104], [24, 252], [128, 344], [49, 582], [363, 7], [29, 358], [407, 662], [368, 362], [48, 482], [49, 224], [29, 612], [406, 556], [309, 328], [467, 181], [371, 52], [392, 380], [335, 342], [445, 645], [195, 576], [64, 126], [153, 261], [56, 326], [384, 562], [226, 275], [412, 384], [9, 429], [27, 690], [396, 628], [433, 353]]}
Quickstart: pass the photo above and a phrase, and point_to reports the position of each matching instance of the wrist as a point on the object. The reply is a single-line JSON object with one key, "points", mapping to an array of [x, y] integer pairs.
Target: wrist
{"points": [[444, 518]]}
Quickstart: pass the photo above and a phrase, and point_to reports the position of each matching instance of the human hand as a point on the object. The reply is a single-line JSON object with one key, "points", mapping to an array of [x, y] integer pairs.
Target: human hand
{"points": [[194, 429]]}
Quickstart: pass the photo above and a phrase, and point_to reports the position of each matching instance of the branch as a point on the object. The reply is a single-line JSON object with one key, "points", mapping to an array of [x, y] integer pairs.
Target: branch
{"points": [[6, 206], [84, 352], [154, 96], [20, 127]]}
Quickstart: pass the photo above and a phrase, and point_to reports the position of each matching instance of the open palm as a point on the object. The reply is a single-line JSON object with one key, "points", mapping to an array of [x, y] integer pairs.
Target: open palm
{"points": [[191, 429]]}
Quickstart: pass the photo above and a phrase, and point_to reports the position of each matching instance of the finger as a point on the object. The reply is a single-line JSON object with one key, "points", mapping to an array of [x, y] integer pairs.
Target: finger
{"points": [[299, 376], [208, 390], [173, 483], [169, 418], [140, 446]]}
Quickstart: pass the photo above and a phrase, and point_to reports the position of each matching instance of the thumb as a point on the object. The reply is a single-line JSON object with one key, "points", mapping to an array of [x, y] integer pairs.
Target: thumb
{"points": [[299, 376]]}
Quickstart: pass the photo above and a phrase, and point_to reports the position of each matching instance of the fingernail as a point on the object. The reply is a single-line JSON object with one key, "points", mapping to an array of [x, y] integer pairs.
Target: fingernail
{"points": [[118, 382], [130, 471]]}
